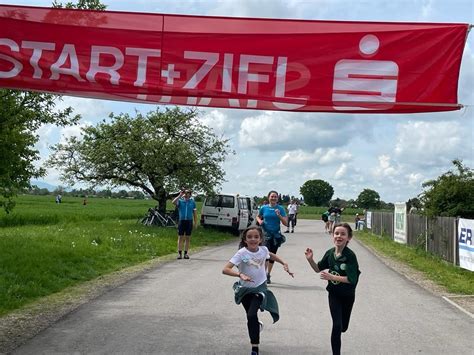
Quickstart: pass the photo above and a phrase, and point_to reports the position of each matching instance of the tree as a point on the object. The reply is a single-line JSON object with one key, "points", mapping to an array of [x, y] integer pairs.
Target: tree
{"points": [[21, 114], [317, 192], [159, 153], [451, 194], [414, 204], [81, 5], [368, 199]]}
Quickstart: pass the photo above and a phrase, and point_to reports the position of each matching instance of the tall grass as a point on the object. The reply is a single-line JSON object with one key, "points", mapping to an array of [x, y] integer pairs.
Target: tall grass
{"points": [[46, 247], [453, 278]]}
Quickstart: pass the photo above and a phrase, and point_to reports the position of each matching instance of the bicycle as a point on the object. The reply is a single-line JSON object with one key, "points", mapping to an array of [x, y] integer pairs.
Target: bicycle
{"points": [[155, 218]]}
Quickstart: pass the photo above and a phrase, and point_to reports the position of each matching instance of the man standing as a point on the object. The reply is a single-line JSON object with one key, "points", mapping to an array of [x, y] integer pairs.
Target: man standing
{"points": [[187, 214], [292, 208]]}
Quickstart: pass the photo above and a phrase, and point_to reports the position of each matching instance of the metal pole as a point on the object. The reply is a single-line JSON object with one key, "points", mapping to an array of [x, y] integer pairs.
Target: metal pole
{"points": [[426, 234], [455, 248]]}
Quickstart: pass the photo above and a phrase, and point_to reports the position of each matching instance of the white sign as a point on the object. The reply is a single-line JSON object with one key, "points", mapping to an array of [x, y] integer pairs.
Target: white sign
{"points": [[400, 223], [368, 219], [466, 249]]}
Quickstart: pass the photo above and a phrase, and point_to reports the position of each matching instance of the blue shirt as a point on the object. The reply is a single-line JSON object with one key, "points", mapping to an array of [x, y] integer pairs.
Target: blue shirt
{"points": [[186, 209], [271, 222]]}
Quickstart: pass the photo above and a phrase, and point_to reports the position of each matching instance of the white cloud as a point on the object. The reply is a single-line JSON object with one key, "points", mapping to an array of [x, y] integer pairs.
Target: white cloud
{"points": [[432, 144], [415, 179], [319, 156], [219, 122], [46, 133], [341, 172], [264, 172], [276, 131], [385, 168], [72, 131], [89, 109]]}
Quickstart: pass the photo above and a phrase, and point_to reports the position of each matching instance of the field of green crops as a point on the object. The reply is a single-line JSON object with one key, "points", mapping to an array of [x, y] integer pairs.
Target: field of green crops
{"points": [[46, 247]]}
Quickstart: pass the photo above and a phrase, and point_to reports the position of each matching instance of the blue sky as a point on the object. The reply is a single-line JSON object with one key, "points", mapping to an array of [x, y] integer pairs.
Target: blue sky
{"points": [[391, 154]]}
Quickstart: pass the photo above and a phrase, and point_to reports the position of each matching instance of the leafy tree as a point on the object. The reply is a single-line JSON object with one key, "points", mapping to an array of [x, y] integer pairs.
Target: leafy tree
{"points": [[351, 203], [158, 152], [451, 194], [81, 5], [368, 199], [414, 204], [317, 192], [21, 114]]}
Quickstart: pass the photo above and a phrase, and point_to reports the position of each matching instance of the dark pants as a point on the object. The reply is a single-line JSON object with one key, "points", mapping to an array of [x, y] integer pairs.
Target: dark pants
{"points": [[251, 303], [291, 221], [341, 308]]}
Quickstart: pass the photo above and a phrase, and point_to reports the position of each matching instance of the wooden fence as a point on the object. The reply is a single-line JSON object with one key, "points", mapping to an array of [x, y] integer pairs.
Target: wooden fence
{"points": [[435, 235]]}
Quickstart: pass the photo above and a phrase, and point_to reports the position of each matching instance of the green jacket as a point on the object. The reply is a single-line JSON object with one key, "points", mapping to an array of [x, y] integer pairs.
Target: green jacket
{"points": [[269, 302]]}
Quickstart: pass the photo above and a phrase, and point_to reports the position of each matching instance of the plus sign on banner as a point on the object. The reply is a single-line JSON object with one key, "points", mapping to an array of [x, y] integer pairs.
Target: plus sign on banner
{"points": [[267, 64]]}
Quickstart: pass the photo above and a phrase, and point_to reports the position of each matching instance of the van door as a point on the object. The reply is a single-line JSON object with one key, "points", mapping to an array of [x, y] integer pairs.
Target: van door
{"points": [[210, 211], [252, 208], [243, 213], [228, 211]]}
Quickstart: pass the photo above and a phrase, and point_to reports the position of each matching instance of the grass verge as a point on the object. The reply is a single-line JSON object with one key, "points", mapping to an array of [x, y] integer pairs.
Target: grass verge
{"points": [[454, 279]]}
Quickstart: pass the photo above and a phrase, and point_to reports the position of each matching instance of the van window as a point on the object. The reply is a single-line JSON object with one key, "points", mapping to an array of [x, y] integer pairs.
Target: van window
{"points": [[243, 204], [212, 201], [227, 201]]}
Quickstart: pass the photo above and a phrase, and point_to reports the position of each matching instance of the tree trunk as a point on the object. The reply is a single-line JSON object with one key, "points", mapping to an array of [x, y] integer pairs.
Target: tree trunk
{"points": [[161, 197]]}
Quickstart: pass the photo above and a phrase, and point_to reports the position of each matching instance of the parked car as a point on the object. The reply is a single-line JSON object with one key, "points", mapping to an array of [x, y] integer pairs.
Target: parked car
{"points": [[229, 210]]}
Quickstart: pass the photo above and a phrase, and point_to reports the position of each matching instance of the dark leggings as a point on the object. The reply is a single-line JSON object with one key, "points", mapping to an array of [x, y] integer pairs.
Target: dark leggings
{"points": [[251, 303], [341, 308]]}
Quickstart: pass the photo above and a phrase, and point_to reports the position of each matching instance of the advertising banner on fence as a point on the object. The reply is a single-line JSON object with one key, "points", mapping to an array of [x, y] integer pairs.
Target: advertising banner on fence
{"points": [[269, 64], [466, 249], [400, 223], [368, 219]]}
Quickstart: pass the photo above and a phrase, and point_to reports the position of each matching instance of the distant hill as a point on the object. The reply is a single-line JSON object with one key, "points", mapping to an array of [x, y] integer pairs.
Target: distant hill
{"points": [[43, 185]]}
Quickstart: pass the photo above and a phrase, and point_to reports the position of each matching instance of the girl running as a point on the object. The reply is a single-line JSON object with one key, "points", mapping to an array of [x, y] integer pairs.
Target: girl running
{"points": [[251, 289], [340, 268]]}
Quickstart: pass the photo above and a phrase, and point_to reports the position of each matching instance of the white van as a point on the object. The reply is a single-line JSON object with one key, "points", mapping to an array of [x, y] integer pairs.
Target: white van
{"points": [[229, 210]]}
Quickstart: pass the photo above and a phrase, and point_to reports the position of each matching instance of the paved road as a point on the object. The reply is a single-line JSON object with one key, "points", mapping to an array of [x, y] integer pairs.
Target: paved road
{"points": [[186, 307]]}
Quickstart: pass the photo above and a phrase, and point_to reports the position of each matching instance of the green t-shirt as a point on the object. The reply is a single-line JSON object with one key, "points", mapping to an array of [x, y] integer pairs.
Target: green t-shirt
{"points": [[344, 265]]}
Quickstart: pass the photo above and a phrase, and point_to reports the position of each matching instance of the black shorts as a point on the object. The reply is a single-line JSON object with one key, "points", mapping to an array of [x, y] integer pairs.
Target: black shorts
{"points": [[185, 227]]}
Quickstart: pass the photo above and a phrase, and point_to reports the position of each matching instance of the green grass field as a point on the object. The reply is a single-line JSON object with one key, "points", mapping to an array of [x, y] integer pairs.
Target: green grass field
{"points": [[46, 247]]}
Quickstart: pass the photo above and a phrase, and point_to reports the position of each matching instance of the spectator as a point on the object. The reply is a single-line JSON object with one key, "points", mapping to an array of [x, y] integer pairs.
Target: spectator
{"points": [[187, 214]]}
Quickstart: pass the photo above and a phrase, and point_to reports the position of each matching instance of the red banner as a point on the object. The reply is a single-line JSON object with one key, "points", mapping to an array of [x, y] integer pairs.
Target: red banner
{"points": [[267, 64]]}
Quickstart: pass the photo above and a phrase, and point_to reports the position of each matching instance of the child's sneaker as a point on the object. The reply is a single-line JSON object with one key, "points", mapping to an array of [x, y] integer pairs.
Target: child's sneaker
{"points": [[261, 326]]}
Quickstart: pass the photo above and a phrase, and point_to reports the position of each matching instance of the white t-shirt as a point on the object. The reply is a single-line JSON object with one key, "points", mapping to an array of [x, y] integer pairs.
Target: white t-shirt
{"points": [[292, 208], [252, 264]]}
